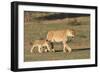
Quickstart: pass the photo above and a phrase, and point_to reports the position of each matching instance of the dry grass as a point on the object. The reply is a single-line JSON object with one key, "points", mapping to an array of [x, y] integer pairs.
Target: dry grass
{"points": [[37, 29]]}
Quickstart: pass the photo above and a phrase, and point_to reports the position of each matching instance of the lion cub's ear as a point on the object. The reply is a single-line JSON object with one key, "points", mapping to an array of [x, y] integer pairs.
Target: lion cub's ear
{"points": [[31, 43]]}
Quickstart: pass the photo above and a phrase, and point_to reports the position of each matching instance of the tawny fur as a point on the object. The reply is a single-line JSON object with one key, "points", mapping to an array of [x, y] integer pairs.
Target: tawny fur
{"points": [[61, 36], [40, 44]]}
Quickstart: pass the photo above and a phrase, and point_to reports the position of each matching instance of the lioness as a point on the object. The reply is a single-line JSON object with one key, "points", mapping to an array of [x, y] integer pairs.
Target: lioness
{"points": [[61, 36], [40, 44]]}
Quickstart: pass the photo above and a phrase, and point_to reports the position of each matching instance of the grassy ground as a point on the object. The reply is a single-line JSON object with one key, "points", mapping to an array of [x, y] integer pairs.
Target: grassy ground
{"points": [[37, 29], [58, 55]]}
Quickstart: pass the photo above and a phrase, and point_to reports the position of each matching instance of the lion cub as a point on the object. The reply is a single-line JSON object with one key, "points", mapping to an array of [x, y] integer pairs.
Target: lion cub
{"points": [[40, 44]]}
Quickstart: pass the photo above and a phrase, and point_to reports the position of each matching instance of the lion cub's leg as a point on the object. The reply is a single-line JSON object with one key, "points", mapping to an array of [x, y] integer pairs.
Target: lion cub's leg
{"points": [[48, 48], [32, 48], [39, 49]]}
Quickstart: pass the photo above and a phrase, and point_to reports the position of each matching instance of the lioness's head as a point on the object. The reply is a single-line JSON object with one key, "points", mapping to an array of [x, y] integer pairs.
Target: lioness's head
{"points": [[71, 33]]}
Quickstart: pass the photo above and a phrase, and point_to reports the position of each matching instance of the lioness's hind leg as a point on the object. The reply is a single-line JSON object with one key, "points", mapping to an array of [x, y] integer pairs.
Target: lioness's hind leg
{"points": [[52, 47]]}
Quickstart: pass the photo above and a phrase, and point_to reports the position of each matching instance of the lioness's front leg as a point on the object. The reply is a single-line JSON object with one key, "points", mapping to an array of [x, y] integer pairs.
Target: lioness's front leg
{"points": [[68, 48], [65, 46]]}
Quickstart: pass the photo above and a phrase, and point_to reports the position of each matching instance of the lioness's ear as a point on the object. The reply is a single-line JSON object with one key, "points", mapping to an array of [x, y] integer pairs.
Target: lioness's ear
{"points": [[74, 31]]}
